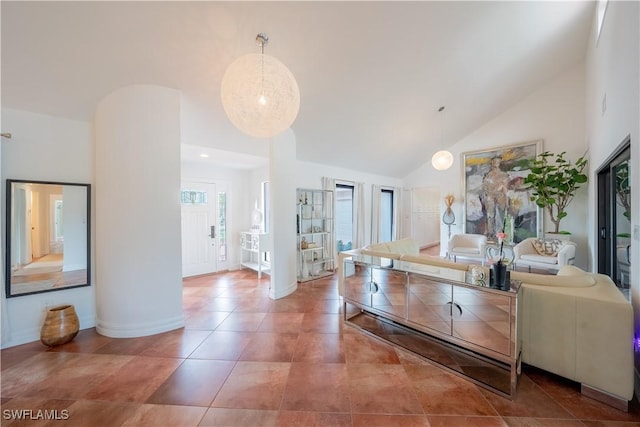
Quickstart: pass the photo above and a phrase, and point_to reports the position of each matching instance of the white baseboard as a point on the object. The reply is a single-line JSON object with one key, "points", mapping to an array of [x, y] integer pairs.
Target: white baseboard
{"points": [[291, 288], [22, 337], [128, 330], [74, 267], [33, 334]]}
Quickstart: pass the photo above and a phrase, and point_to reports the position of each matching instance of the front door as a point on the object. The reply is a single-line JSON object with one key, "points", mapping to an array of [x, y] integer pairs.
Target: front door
{"points": [[199, 228]]}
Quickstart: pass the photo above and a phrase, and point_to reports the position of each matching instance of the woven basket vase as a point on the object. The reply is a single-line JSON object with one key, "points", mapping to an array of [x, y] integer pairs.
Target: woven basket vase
{"points": [[60, 326]]}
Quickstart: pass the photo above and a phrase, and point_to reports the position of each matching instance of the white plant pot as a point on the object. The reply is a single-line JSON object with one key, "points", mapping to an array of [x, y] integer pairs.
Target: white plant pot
{"points": [[559, 236]]}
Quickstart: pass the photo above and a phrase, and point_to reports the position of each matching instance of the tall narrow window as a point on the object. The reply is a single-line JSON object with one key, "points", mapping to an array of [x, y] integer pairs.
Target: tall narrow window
{"points": [[386, 215], [344, 216], [222, 224]]}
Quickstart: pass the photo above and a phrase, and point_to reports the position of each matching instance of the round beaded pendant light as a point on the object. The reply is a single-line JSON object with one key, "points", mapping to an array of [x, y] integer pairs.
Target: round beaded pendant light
{"points": [[443, 159], [259, 94]]}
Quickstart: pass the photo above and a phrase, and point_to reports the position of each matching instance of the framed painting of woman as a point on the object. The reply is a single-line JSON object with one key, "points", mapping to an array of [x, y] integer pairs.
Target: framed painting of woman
{"points": [[496, 199]]}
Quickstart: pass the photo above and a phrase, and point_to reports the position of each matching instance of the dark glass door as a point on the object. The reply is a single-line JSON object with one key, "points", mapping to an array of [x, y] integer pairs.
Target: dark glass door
{"points": [[614, 217]]}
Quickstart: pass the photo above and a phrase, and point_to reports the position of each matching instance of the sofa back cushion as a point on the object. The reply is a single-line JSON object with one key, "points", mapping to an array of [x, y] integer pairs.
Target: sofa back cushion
{"points": [[568, 276], [434, 260], [380, 254], [548, 247], [406, 246], [571, 270]]}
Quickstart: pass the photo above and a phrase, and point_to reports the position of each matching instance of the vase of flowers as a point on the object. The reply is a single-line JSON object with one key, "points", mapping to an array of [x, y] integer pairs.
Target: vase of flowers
{"points": [[499, 277]]}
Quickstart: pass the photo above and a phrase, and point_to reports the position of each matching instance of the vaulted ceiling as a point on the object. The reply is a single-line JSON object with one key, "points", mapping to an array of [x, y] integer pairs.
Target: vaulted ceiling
{"points": [[372, 75]]}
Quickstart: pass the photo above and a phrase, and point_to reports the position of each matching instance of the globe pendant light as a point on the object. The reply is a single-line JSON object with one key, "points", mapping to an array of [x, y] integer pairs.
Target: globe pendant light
{"points": [[443, 159], [259, 94]]}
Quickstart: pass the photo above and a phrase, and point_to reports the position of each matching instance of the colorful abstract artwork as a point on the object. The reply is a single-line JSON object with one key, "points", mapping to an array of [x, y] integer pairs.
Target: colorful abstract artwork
{"points": [[495, 197]]}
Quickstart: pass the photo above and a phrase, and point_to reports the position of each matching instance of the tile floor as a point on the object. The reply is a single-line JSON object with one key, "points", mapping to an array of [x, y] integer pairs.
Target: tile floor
{"points": [[246, 360]]}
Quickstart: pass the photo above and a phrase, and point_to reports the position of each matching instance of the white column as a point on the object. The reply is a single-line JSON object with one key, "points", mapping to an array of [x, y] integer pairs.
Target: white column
{"points": [[138, 255], [282, 156]]}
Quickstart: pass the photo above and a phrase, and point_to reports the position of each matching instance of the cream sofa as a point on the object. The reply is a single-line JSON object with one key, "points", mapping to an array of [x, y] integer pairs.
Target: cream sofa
{"points": [[574, 324]]}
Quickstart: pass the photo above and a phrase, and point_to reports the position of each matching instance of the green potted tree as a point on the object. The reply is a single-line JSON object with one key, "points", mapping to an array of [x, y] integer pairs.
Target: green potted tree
{"points": [[554, 181], [623, 189]]}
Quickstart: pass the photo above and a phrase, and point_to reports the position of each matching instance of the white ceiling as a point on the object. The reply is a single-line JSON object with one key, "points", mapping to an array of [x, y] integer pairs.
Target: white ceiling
{"points": [[372, 75]]}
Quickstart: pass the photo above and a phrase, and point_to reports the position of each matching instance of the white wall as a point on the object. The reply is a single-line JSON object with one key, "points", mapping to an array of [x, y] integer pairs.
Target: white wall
{"points": [[612, 69], [254, 192], [44, 148], [309, 175], [4, 330], [75, 223], [553, 113]]}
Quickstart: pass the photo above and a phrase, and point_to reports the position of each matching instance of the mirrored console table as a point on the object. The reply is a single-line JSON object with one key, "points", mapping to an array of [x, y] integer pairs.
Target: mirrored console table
{"points": [[439, 314]]}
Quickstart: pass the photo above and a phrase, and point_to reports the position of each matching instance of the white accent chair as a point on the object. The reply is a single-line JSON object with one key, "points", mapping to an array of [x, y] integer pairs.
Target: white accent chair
{"points": [[467, 246], [525, 253]]}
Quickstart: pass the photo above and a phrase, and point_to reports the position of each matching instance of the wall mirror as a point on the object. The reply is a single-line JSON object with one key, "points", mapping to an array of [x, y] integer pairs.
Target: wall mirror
{"points": [[47, 236]]}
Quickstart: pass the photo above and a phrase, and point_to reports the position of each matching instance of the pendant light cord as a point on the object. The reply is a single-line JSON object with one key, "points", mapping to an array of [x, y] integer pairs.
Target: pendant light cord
{"points": [[261, 40]]}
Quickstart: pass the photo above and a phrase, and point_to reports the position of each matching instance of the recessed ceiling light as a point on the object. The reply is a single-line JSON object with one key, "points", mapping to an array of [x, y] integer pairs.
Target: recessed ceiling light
{"points": [[203, 155]]}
